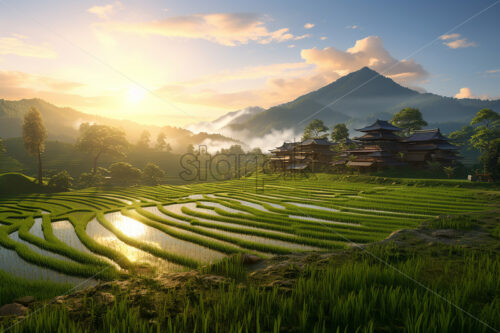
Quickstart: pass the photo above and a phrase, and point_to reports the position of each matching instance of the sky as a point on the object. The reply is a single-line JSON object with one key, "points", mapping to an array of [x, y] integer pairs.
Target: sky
{"points": [[181, 62]]}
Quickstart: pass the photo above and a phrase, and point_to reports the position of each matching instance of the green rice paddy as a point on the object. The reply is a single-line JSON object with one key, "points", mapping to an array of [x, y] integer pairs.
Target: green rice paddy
{"points": [[95, 234]]}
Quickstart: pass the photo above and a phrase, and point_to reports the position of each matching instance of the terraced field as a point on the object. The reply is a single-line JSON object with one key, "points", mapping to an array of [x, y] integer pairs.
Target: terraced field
{"points": [[97, 234]]}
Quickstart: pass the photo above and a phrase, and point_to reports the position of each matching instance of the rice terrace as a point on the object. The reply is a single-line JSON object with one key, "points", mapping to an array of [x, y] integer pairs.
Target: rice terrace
{"points": [[86, 237]]}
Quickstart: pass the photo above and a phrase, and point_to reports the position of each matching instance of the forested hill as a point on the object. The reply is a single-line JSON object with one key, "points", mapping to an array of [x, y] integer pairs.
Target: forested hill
{"points": [[359, 98]]}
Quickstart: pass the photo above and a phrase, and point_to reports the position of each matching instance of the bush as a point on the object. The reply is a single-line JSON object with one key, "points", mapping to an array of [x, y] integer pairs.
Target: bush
{"points": [[152, 174], [124, 173], [88, 179], [61, 181]]}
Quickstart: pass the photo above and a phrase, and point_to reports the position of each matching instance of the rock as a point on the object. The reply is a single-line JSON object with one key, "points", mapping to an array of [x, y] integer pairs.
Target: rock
{"points": [[105, 298], [249, 259], [14, 309], [26, 300], [445, 233]]}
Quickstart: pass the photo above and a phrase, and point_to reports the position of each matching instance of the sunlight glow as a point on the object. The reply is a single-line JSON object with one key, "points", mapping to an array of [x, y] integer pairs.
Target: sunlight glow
{"points": [[136, 94], [130, 227]]}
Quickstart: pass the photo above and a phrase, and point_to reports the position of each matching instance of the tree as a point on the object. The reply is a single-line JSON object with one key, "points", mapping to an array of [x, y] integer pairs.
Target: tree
{"points": [[144, 140], [34, 136], [340, 133], [190, 149], [2, 147], [97, 178], [315, 130], [101, 139], [152, 174], [124, 173], [462, 137], [409, 120], [486, 131], [161, 143], [449, 171], [61, 181]]}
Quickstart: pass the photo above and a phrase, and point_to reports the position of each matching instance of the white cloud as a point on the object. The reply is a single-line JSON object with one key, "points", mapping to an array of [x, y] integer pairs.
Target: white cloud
{"points": [[369, 52], [302, 37], [323, 38], [467, 93], [291, 46], [18, 45], [228, 29], [493, 71], [460, 43], [309, 25], [352, 27], [105, 11]]}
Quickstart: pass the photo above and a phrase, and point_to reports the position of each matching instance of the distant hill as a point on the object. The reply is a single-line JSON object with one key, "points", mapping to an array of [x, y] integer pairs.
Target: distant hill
{"points": [[62, 124], [230, 118], [358, 98]]}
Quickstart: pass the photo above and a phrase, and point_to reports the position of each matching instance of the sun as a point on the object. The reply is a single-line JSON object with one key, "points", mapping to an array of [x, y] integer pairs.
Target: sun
{"points": [[136, 94]]}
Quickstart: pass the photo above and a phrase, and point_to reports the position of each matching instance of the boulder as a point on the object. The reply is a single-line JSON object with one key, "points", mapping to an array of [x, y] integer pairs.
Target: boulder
{"points": [[14, 309]]}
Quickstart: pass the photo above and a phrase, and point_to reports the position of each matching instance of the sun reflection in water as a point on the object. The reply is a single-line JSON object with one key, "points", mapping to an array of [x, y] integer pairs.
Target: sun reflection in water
{"points": [[130, 227]]}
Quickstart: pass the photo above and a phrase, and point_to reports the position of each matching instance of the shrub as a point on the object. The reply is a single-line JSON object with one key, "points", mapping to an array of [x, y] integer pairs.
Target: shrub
{"points": [[124, 173], [88, 179], [152, 174], [61, 181]]}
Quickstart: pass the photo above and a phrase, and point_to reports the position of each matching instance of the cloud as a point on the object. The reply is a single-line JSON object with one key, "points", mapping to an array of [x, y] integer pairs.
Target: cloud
{"points": [[455, 42], [493, 71], [449, 36], [323, 38], [352, 27], [291, 46], [309, 25], [369, 52], [467, 93], [18, 45], [301, 37], [286, 81], [104, 12], [228, 29], [460, 43]]}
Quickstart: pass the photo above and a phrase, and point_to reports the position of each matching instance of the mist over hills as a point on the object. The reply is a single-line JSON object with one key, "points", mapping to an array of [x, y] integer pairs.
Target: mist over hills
{"points": [[62, 124]]}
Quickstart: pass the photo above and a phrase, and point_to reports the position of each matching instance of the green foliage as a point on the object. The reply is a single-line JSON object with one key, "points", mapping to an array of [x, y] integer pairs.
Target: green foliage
{"points": [[462, 137], [124, 173], [2, 147], [98, 178], [152, 174], [34, 136], [15, 287], [16, 183], [232, 267], [161, 143], [449, 171], [101, 139], [314, 130], [463, 222], [409, 120], [340, 133], [61, 181]]}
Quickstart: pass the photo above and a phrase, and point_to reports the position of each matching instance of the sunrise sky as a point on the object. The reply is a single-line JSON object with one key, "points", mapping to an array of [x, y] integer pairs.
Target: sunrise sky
{"points": [[179, 62]]}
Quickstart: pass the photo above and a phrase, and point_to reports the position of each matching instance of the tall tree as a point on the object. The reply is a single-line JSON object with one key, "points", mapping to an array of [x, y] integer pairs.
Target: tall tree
{"points": [[486, 132], [34, 136], [161, 142], [101, 139], [340, 133], [462, 136], [2, 147], [315, 130], [144, 140], [409, 120]]}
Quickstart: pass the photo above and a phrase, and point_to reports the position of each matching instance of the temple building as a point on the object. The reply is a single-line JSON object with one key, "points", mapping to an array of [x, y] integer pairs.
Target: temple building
{"points": [[311, 154], [380, 147], [430, 146]]}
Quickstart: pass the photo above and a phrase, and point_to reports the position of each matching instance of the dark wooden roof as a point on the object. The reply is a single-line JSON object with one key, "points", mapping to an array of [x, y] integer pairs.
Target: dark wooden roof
{"points": [[379, 125], [321, 142], [382, 135], [427, 135]]}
